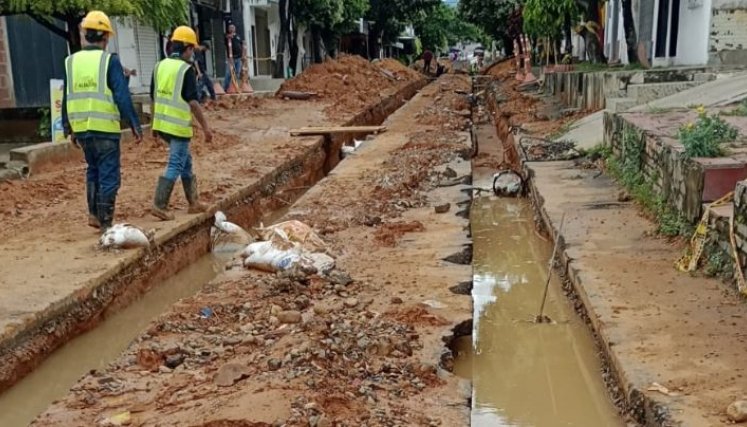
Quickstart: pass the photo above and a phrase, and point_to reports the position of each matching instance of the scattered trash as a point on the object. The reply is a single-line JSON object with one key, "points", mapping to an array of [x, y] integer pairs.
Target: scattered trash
{"points": [[661, 389], [434, 304], [297, 232], [540, 149], [206, 312], [507, 183], [125, 236]]}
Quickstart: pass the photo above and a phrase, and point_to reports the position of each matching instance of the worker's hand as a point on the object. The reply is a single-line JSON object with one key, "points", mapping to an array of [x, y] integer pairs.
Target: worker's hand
{"points": [[75, 142], [208, 135], [138, 134]]}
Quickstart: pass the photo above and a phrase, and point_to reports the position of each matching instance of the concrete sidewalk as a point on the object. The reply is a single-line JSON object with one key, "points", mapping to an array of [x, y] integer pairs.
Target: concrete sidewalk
{"points": [[727, 89], [657, 325]]}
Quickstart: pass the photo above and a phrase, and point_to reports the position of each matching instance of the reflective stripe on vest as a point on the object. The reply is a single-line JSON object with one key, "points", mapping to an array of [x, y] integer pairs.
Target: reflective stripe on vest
{"points": [[89, 102], [172, 114]]}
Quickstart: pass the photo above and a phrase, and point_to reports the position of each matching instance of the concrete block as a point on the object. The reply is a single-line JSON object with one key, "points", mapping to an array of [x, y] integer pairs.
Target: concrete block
{"points": [[45, 156], [704, 77], [652, 91], [618, 105], [720, 176]]}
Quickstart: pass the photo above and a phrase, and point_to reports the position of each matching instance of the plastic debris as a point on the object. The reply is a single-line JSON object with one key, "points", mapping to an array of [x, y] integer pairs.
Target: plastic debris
{"points": [[287, 245], [507, 183], [125, 236]]}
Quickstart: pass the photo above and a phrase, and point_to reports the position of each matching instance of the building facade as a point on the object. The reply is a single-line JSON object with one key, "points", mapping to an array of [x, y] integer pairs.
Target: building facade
{"points": [[681, 32]]}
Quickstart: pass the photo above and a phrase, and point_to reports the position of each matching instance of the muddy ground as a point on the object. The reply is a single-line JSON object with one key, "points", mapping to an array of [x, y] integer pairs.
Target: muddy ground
{"points": [[364, 346], [50, 257]]}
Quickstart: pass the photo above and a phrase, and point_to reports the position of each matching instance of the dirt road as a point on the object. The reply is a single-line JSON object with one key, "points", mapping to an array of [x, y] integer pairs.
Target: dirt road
{"points": [[55, 281], [364, 347]]}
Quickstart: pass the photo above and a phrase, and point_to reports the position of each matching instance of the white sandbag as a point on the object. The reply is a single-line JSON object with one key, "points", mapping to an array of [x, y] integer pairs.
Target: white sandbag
{"points": [[266, 256], [124, 236], [322, 262], [297, 232]]}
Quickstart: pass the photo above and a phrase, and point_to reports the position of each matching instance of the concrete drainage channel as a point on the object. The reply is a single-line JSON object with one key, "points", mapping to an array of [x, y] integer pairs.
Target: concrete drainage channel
{"points": [[523, 374], [178, 266]]}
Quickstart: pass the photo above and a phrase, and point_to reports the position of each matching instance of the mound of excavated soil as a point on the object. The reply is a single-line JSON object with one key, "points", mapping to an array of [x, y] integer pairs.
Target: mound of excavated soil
{"points": [[398, 69], [350, 82]]}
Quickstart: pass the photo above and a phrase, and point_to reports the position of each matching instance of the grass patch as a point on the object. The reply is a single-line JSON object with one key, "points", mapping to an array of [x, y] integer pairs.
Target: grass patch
{"points": [[706, 136], [627, 171], [740, 111]]}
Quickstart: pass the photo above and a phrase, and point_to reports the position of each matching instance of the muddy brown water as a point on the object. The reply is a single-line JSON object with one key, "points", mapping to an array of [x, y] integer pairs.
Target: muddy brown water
{"points": [[525, 374], [98, 347]]}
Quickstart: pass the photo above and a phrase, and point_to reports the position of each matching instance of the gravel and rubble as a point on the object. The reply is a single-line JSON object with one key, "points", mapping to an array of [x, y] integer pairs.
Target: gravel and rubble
{"points": [[360, 346]]}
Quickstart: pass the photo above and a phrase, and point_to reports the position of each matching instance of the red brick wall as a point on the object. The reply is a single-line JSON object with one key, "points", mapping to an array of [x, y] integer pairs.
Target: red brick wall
{"points": [[6, 79]]}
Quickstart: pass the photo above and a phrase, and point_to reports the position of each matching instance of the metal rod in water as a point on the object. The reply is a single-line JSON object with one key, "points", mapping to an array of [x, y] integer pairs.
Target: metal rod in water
{"points": [[541, 318]]}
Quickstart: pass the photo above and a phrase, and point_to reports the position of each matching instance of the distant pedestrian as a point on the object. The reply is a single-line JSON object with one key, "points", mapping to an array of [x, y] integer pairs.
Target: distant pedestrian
{"points": [[203, 79], [235, 51], [427, 58], [174, 93], [92, 106]]}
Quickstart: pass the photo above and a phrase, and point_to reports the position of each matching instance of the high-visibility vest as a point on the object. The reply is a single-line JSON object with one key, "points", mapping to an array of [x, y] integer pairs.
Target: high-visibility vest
{"points": [[172, 114], [89, 102]]}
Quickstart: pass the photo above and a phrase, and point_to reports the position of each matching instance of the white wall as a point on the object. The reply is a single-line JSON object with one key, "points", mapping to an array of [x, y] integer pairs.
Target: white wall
{"points": [[692, 41]]}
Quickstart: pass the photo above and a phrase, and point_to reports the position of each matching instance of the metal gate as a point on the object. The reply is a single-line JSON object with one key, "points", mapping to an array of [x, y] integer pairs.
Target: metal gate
{"points": [[147, 51], [36, 55]]}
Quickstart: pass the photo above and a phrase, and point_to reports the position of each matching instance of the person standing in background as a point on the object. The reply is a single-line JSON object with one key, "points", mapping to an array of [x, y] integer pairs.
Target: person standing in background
{"points": [[203, 79], [427, 58], [235, 49]]}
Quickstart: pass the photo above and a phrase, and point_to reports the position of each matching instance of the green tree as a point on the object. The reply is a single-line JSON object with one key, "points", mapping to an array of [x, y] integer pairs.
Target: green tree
{"points": [[500, 19], [547, 19], [389, 18], [161, 14], [328, 20], [443, 27]]}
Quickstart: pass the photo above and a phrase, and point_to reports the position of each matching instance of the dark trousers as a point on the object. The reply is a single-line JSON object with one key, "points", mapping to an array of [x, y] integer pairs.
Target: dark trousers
{"points": [[427, 66], [102, 176], [204, 82]]}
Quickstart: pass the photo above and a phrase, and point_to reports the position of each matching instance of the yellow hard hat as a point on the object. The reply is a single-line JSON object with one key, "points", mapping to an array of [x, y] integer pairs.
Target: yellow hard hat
{"points": [[97, 20], [185, 35]]}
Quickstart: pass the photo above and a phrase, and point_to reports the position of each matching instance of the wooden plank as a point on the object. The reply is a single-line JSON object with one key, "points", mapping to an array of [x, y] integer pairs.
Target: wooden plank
{"points": [[326, 130]]}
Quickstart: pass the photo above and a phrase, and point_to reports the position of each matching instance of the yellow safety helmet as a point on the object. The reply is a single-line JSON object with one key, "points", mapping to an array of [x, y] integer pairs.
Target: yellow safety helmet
{"points": [[98, 21], [185, 35]]}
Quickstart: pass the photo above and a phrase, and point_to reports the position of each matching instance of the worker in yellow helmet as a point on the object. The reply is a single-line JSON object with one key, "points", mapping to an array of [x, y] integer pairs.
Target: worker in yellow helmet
{"points": [[95, 98], [175, 99]]}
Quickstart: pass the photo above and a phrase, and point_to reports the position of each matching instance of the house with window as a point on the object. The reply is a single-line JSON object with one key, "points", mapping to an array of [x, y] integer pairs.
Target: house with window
{"points": [[681, 32]]}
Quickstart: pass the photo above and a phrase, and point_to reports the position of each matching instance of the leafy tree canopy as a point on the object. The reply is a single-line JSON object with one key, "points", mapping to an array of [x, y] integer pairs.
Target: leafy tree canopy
{"points": [[443, 27], [500, 19]]}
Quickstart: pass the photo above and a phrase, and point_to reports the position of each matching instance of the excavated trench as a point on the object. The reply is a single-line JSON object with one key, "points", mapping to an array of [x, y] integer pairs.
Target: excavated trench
{"points": [[523, 373], [41, 365]]}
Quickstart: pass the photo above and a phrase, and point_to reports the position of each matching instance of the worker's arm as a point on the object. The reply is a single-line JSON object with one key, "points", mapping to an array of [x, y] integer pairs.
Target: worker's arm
{"points": [[189, 94], [153, 102], [121, 94], [65, 120]]}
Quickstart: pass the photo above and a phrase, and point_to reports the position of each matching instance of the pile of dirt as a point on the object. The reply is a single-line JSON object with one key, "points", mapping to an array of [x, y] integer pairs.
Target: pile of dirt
{"points": [[349, 82], [398, 69]]}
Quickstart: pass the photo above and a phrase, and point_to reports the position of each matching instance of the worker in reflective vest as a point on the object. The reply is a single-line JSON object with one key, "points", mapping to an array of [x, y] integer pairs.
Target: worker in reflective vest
{"points": [[175, 100], [95, 97]]}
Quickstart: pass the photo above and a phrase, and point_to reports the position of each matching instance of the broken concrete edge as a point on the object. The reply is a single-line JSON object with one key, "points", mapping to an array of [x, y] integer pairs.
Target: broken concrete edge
{"points": [[26, 345], [45, 156], [644, 409]]}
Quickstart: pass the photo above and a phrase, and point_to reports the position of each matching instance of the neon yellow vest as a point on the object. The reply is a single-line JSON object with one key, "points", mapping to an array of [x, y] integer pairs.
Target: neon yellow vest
{"points": [[90, 104], [172, 114]]}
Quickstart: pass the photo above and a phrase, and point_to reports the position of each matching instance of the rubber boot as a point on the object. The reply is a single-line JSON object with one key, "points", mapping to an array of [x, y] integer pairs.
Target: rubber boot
{"points": [[190, 191], [93, 220], [160, 207], [106, 214]]}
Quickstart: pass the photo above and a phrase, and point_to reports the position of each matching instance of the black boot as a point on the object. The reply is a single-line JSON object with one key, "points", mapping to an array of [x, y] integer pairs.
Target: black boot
{"points": [[161, 200], [93, 213], [190, 191], [106, 214]]}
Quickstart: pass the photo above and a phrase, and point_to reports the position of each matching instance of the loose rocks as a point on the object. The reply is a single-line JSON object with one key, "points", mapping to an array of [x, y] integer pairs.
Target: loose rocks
{"points": [[737, 411]]}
